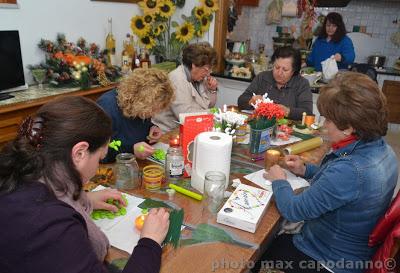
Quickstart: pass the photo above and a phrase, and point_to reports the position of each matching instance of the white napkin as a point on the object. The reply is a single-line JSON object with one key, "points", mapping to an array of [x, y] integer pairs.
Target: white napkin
{"points": [[294, 181], [121, 231]]}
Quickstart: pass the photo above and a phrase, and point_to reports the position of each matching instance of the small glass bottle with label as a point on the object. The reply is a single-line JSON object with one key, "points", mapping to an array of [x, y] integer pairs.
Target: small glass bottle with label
{"points": [[174, 163]]}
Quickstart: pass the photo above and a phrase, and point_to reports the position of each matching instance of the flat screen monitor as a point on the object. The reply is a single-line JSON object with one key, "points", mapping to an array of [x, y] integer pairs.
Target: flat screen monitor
{"points": [[11, 67]]}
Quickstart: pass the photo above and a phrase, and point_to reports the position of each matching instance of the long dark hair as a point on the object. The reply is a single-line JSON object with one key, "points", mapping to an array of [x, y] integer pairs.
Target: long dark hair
{"points": [[42, 149], [336, 19]]}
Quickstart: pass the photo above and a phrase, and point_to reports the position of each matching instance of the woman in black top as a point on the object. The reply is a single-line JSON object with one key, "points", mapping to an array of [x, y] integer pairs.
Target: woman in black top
{"points": [[41, 176]]}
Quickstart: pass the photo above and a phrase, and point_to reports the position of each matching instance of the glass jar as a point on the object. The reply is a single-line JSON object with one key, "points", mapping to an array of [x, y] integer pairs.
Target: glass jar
{"points": [[153, 177], [126, 172], [214, 189]]}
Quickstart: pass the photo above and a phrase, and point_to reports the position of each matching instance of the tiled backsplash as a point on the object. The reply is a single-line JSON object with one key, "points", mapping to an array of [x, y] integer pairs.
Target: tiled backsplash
{"points": [[377, 16]]}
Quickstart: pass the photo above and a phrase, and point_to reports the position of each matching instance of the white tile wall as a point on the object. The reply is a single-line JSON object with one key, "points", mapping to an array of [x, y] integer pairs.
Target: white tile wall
{"points": [[378, 16]]}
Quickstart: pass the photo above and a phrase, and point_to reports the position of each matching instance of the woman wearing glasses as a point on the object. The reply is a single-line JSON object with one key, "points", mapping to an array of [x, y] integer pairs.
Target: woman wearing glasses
{"points": [[332, 41], [283, 84], [195, 89]]}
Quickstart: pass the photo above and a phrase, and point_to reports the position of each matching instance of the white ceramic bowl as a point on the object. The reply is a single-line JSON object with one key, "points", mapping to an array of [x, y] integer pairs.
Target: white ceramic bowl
{"points": [[313, 78]]}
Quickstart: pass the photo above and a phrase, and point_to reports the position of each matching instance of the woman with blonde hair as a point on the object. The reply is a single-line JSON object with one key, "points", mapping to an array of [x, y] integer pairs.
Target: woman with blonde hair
{"points": [[139, 96]]}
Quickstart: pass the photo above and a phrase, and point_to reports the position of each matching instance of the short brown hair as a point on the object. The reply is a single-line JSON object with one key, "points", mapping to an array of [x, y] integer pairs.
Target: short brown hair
{"points": [[144, 90], [353, 99], [199, 54]]}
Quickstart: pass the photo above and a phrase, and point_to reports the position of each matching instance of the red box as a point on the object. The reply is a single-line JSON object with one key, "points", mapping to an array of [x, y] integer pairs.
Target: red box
{"points": [[193, 125]]}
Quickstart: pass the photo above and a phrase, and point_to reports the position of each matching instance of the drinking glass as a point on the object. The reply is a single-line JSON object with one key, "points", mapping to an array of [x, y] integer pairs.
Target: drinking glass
{"points": [[39, 75], [214, 188]]}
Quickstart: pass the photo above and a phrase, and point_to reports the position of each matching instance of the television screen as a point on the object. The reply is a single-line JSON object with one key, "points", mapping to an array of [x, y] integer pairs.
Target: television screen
{"points": [[11, 68]]}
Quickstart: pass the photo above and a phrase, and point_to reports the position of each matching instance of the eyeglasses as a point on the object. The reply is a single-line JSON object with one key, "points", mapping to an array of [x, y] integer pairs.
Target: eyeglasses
{"points": [[206, 69]]}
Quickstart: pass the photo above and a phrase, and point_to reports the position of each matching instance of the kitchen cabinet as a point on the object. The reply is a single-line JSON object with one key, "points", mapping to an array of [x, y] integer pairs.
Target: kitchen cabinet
{"points": [[391, 89], [12, 114], [229, 91]]}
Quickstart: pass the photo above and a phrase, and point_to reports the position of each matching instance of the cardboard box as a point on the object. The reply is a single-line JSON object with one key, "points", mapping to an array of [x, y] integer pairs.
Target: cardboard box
{"points": [[191, 127], [245, 208]]}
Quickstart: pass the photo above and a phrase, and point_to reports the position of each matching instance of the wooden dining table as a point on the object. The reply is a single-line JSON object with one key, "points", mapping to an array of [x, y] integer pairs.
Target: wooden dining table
{"points": [[218, 256]]}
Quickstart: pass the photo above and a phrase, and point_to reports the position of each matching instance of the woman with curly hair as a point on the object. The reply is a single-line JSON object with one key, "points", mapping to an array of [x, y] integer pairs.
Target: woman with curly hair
{"points": [[196, 90], [139, 96]]}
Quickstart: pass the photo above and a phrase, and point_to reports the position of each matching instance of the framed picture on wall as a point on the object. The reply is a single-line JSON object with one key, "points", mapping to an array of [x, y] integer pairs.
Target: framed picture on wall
{"points": [[8, 4], [121, 1]]}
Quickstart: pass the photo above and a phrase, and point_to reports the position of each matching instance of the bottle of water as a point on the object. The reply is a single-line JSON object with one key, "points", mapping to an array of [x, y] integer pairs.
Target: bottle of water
{"points": [[126, 172], [174, 163]]}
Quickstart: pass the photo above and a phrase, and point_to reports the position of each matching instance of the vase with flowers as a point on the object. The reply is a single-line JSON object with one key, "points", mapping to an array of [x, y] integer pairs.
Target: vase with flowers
{"points": [[266, 114], [227, 121], [164, 37]]}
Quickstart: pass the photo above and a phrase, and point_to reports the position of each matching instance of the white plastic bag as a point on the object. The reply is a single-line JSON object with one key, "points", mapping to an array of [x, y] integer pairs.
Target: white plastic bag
{"points": [[329, 68]]}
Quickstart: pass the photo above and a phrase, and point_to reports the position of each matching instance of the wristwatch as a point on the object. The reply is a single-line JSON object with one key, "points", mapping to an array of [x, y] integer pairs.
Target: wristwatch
{"points": [[213, 91]]}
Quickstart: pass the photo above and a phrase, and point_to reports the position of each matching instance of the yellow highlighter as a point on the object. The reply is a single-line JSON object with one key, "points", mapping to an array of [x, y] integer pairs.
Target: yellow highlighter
{"points": [[186, 192]]}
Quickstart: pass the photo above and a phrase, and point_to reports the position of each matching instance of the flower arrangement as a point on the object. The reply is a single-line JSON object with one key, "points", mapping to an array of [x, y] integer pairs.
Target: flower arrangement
{"points": [[266, 114], [227, 121], [80, 73], [65, 59], [165, 38]]}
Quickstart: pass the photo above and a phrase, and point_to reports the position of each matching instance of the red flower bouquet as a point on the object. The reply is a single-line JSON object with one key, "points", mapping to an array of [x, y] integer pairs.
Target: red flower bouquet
{"points": [[265, 115]]}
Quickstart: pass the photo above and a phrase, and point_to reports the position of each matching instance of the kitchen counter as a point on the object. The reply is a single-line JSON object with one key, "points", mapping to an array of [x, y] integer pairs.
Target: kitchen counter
{"points": [[223, 76], [388, 71], [26, 102]]}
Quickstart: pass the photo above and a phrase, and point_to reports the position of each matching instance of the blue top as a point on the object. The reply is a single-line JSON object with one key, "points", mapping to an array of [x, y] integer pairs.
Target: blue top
{"points": [[129, 130], [43, 234], [349, 192], [322, 50]]}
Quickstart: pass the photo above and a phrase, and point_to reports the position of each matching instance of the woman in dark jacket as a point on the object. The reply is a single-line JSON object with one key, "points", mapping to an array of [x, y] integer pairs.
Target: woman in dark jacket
{"points": [[48, 227]]}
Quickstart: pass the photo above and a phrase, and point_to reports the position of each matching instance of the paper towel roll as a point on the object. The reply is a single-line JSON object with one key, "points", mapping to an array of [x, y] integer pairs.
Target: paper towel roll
{"points": [[212, 152], [303, 146]]}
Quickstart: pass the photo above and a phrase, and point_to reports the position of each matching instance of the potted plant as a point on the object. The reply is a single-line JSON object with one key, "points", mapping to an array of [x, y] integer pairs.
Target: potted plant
{"points": [[262, 122]]}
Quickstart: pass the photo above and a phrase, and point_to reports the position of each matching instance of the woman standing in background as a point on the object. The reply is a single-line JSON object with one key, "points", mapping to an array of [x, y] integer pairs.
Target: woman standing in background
{"points": [[332, 41]]}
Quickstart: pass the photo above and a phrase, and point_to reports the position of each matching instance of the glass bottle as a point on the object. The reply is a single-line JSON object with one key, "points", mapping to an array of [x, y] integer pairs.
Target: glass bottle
{"points": [[144, 59], [126, 61], [110, 45], [174, 163], [126, 172]]}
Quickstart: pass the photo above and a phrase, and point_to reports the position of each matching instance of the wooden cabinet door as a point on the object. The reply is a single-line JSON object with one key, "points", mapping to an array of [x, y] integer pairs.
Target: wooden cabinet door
{"points": [[391, 89]]}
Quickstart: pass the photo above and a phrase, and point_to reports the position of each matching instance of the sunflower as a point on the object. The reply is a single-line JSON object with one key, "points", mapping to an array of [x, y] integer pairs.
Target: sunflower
{"points": [[166, 8], [205, 23], [156, 31], [147, 41], [139, 27], [184, 32], [199, 33], [209, 6], [149, 6], [148, 18], [162, 27], [199, 12]]}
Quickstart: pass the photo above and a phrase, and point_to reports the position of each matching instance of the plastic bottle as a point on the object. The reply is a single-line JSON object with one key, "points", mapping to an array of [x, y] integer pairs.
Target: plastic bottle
{"points": [[126, 172], [174, 163]]}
